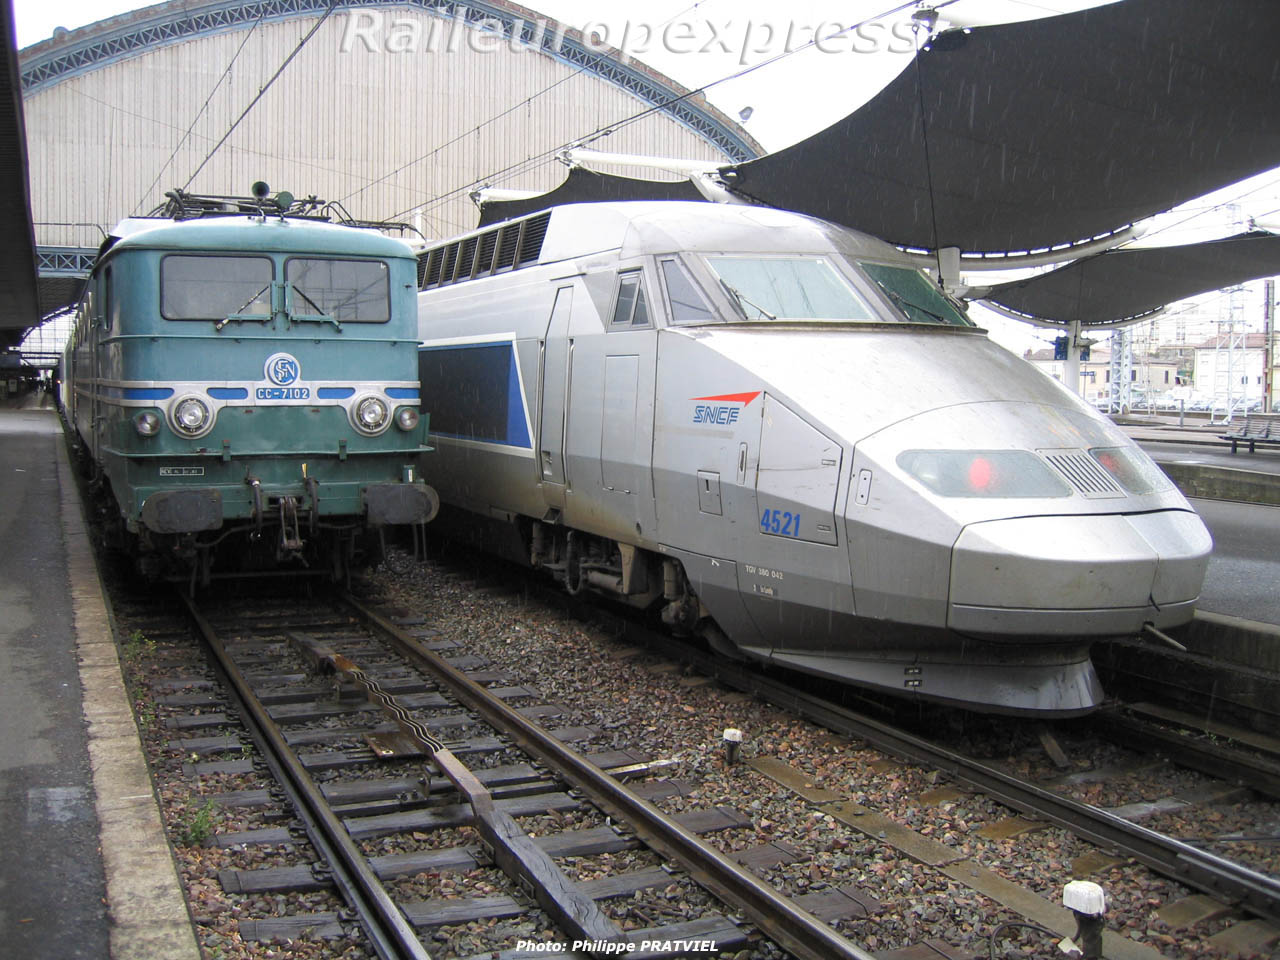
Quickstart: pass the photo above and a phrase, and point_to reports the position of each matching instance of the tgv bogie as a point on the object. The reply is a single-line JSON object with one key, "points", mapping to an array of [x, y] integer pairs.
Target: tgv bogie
{"points": [[781, 435]]}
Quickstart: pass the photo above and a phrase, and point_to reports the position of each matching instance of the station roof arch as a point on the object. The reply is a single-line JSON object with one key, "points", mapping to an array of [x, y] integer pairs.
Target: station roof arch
{"points": [[123, 91]]}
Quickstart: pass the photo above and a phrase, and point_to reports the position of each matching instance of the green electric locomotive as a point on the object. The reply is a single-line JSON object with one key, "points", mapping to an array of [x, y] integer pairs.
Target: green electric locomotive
{"points": [[245, 388]]}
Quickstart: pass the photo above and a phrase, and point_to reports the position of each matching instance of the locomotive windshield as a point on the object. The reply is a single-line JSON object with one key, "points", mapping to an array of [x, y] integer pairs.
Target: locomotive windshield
{"points": [[915, 295], [215, 288], [777, 288], [347, 291]]}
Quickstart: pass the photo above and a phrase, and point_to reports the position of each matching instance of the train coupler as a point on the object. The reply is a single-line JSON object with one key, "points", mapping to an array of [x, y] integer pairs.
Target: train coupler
{"points": [[290, 535]]}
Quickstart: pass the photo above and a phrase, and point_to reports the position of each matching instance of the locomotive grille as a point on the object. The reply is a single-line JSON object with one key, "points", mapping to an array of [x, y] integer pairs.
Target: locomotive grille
{"points": [[1083, 473], [433, 267], [507, 252], [515, 245], [467, 259], [535, 230], [484, 261]]}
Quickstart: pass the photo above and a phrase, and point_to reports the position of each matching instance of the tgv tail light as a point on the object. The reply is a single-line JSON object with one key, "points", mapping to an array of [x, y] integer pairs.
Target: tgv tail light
{"points": [[1133, 471], [983, 473]]}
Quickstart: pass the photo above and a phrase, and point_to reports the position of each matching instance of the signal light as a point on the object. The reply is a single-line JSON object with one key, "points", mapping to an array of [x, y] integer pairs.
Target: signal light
{"points": [[406, 418], [980, 473], [147, 424]]}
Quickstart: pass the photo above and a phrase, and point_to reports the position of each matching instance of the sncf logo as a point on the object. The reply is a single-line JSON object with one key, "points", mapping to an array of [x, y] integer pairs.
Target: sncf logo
{"points": [[724, 409], [282, 369]]}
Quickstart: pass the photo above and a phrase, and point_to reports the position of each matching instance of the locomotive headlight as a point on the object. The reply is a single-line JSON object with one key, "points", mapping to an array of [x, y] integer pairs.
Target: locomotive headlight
{"points": [[1136, 473], [191, 417], [406, 418], [370, 416], [147, 424], [983, 473]]}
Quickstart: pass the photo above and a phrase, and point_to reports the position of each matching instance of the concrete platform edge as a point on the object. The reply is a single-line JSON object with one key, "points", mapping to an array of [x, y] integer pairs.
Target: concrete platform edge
{"points": [[1223, 483], [148, 912], [1236, 640]]}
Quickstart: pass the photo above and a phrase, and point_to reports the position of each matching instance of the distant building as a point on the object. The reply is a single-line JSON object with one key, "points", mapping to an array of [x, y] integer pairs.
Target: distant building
{"points": [[1221, 371], [1151, 376]]}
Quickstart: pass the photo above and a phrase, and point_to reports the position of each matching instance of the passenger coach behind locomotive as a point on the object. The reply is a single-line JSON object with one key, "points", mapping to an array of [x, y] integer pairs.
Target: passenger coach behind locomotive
{"points": [[251, 375], [781, 432]]}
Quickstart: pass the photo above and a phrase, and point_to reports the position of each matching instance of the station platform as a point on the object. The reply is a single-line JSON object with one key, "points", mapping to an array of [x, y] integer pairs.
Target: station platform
{"points": [[1198, 441], [87, 872]]}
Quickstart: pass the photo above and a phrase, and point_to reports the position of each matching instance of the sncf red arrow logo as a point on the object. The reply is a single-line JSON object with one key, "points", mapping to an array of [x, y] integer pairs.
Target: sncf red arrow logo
{"points": [[742, 398], [722, 409]]}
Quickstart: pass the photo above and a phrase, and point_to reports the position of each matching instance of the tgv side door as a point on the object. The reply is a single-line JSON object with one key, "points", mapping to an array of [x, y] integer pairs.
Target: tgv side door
{"points": [[554, 394], [630, 365]]}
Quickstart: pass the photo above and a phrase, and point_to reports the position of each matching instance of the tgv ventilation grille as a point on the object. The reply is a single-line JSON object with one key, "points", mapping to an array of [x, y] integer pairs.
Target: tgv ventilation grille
{"points": [[1083, 473], [509, 247]]}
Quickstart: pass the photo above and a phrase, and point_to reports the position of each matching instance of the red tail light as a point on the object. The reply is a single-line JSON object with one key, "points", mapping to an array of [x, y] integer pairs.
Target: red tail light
{"points": [[980, 474]]}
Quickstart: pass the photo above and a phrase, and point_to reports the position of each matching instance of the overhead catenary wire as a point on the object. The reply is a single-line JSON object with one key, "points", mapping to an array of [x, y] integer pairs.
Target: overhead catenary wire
{"points": [[474, 131], [262, 92], [199, 113], [607, 129]]}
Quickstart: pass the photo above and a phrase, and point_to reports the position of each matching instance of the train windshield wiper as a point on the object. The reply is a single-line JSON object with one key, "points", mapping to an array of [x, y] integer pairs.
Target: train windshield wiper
{"points": [[318, 317], [904, 304], [743, 302], [239, 316]]}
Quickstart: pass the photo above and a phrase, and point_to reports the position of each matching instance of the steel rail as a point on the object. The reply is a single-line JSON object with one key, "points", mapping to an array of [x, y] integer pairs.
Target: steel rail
{"points": [[793, 928], [1184, 862], [390, 933], [1226, 763], [511, 848]]}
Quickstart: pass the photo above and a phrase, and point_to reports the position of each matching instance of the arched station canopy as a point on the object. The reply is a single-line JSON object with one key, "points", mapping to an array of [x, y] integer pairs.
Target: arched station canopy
{"points": [[1127, 284], [1040, 133], [1046, 132], [18, 304], [1043, 134]]}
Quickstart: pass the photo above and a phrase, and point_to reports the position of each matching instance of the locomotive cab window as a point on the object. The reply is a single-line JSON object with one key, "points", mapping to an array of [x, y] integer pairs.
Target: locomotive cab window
{"points": [[215, 288], [787, 288], [347, 291], [916, 296], [687, 305], [630, 310]]}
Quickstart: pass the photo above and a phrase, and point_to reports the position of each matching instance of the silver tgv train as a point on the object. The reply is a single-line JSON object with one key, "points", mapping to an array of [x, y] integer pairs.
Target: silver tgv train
{"points": [[782, 435]]}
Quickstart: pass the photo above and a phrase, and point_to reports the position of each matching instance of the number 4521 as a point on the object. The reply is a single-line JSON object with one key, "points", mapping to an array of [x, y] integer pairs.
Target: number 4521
{"points": [[781, 523]]}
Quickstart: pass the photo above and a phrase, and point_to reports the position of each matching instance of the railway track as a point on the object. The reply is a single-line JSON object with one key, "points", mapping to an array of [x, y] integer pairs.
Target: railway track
{"points": [[449, 754], [413, 830], [1235, 761]]}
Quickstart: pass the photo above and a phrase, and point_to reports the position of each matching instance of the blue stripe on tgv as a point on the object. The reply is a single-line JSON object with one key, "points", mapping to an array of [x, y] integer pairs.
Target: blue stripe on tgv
{"points": [[228, 393], [334, 393], [402, 393]]}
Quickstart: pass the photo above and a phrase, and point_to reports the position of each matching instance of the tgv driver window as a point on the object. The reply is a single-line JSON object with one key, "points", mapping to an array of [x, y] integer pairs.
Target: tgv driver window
{"points": [[630, 309], [790, 288], [915, 294], [687, 305]]}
